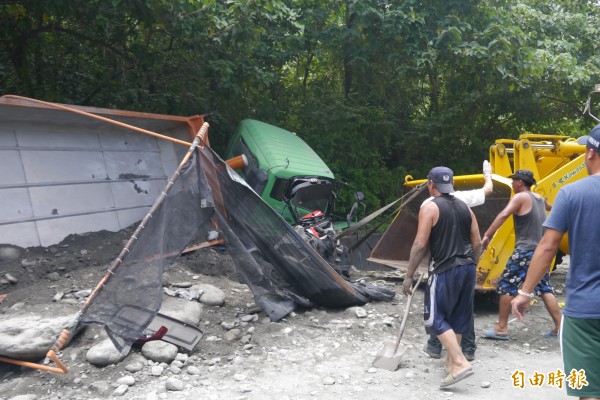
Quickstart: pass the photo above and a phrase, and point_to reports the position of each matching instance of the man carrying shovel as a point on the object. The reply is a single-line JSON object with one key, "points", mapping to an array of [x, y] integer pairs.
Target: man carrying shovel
{"points": [[448, 228]]}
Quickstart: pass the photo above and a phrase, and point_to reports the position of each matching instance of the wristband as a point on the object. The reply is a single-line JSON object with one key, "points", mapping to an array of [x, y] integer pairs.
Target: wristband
{"points": [[523, 293]]}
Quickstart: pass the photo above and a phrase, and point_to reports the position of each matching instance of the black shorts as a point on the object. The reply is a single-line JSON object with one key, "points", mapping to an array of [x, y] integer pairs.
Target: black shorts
{"points": [[449, 298]]}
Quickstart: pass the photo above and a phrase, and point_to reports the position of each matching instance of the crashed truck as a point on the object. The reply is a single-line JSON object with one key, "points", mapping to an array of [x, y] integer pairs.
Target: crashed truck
{"points": [[555, 160], [291, 177], [72, 169]]}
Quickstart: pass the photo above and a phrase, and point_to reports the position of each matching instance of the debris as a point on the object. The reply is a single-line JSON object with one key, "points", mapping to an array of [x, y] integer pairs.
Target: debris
{"points": [[11, 278], [189, 295], [58, 296]]}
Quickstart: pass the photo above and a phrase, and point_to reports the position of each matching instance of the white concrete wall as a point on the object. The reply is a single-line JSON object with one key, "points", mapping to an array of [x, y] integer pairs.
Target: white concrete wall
{"points": [[59, 178]]}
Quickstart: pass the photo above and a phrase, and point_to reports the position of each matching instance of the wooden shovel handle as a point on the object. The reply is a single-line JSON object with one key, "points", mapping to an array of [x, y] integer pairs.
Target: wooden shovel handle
{"points": [[407, 310]]}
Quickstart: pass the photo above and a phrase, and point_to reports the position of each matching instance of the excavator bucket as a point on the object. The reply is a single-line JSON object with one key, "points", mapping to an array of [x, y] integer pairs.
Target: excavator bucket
{"points": [[393, 249]]}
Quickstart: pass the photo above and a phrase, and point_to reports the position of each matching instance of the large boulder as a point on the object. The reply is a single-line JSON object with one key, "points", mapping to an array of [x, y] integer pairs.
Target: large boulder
{"points": [[29, 337]]}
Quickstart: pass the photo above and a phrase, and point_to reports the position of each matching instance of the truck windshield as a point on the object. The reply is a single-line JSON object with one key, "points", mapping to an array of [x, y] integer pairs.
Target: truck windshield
{"points": [[312, 195]]}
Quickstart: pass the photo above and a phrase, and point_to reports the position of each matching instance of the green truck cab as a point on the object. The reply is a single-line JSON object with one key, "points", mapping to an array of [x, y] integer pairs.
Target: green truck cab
{"points": [[284, 171]]}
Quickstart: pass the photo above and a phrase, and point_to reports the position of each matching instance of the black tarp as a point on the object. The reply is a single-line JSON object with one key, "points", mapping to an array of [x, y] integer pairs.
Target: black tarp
{"points": [[281, 269]]}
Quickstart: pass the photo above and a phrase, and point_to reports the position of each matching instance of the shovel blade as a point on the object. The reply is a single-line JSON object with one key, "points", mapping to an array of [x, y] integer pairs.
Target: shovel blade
{"points": [[389, 356]]}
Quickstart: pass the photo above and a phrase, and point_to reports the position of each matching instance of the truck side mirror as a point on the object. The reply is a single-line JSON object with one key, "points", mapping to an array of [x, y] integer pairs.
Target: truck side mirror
{"points": [[359, 197]]}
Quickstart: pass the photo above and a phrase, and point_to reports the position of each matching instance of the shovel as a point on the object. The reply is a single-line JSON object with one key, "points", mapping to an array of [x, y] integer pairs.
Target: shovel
{"points": [[390, 354]]}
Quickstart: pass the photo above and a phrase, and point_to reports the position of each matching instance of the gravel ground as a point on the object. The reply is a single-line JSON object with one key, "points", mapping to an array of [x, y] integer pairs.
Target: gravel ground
{"points": [[311, 354]]}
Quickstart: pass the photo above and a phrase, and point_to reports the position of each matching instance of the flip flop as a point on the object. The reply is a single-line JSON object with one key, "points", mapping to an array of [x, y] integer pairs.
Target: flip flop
{"points": [[550, 335], [451, 380], [490, 333]]}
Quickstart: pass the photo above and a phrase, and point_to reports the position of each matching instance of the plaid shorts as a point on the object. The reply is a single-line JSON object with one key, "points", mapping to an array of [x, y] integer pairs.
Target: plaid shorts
{"points": [[514, 274]]}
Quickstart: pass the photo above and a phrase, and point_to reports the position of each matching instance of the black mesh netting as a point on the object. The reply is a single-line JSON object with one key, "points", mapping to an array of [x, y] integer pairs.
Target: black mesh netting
{"points": [[132, 294], [281, 269]]}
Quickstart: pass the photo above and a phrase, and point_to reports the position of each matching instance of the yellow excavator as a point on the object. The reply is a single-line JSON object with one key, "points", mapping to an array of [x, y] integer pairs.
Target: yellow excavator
{"points": [[555, 161]]}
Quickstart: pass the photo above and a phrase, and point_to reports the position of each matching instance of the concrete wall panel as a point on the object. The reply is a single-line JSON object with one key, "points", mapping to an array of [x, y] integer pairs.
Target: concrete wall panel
{"points": [[136, 193], [121, 139], [63, 166], [71, 199], [53, 231], [133, 164], [132, 216], [8, 137], [23, 234], [15, 205], [11, 168], [35, 135]]}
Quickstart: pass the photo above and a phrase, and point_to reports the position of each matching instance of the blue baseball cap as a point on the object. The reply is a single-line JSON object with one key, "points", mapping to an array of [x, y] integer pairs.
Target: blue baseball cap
{"points": [[443, 178], [592, 140]]}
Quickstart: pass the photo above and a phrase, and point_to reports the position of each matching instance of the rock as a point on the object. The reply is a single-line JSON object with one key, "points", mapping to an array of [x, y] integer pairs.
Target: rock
{"points": [[214, 361], [245, 339], [328, 380], [239, 377], [28, 263], [9, 253], [249, 318], [29, 337], [100, 387], [58, 296], [133, 367], [174, 385], [104, 353], [53, 276], [485, 384], [232, 335], [126, 380], [191, 370], [360, 312], [152, 396], [211, 295], [11, 278], [227, 325], [182, 310], [24, 397], [159, 351], [121, 390], [181, 284], [80, 294]]}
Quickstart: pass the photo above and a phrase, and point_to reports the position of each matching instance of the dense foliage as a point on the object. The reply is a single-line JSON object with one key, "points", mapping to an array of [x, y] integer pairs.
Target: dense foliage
{"points": [[380, 88]]}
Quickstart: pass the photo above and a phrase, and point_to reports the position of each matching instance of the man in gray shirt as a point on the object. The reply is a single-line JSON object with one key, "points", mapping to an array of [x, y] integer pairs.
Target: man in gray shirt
{"points": [[529, 213]]}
